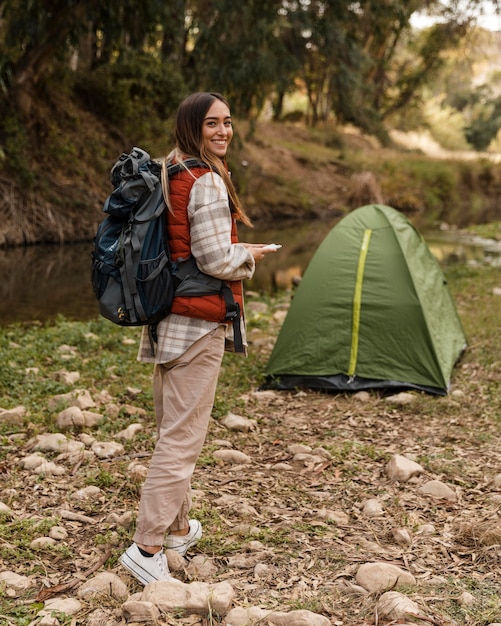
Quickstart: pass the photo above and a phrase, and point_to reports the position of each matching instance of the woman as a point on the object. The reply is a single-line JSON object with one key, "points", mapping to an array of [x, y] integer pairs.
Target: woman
{"points": [[203, 209]]}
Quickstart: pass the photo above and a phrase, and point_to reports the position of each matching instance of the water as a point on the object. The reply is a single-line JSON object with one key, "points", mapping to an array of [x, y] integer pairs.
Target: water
{"points": [[40, 282]]}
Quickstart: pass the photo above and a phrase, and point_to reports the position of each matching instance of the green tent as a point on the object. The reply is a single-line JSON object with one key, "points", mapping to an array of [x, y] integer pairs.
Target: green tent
{"points": [[373, 311]]}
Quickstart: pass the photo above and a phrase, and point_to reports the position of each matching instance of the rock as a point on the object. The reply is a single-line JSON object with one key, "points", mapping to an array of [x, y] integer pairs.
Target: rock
{"points": [[135, 410], [70, 418], [496, 482], [426, 529], [125, 520], [238, 423], [362, 396], [130, 432], [175, 561], [401, 469], [377, 577], [78, 397], [67, 378], [14, 584], [256, 307], [281, 467], [234, 457], [240, 616], [395, 606], [201, 568], [197, 597], [104, 584], [51, 442], [467, 599], [261, 570], [49, 469], [401, 398], [305, 459], [438, 489], [323, 453], [137, 472], [107, 449], [137, 611], [92, 419], [402, 536], [42, 542], [338, 517], [348, 588], [68, 606], [496, 291], [58, 533], [372, 508], [6, 511], [14, 417], [299, 448], [88, 494]]}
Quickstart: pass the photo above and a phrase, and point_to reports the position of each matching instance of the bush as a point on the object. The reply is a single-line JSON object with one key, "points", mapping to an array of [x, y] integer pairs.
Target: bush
{"points": [[136, 94]]}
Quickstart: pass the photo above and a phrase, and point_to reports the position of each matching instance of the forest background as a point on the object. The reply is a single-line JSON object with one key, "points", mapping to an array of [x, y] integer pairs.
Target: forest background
{"points": [[333, 83]]}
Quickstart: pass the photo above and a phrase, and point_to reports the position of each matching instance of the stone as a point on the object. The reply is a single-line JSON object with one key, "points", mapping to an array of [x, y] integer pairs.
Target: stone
{"points": [[438, 489], [103, 584], [372, 508], [68, 606], [92, 419], [51, 442], [14, 584], [50, 469], [78, 397], [137, 611], [396, 606], [234, 457], [238, 423], [496, 482], [201, 568], [401, 469], [130, 432], [67, 378], [6, 511], [107, 449], [402, 536], [467, 599], [379, 576], [14, 417], [88, 494], [42, 542], [70, 418], [306, 459], [240, 616], [401, 398], [58, 533], [197, 597]]}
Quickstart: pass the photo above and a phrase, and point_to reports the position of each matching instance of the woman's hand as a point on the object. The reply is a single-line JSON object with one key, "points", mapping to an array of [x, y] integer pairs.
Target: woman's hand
{"points": [[259, 250]]}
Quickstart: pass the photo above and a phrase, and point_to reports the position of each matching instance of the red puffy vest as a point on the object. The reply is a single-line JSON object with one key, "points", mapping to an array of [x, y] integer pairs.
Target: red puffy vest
{"points": [[210, 308]]}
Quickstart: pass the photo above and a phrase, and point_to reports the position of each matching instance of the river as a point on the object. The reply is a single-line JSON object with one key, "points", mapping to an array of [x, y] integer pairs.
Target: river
{"points": [[41, 282]]}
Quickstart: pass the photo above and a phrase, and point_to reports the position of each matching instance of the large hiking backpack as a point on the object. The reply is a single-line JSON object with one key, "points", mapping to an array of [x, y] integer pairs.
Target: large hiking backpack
{"points": [[133, 277]]}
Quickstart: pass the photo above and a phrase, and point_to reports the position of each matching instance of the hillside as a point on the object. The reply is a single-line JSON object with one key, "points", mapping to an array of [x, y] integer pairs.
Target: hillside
{"points": [[282, 171]]}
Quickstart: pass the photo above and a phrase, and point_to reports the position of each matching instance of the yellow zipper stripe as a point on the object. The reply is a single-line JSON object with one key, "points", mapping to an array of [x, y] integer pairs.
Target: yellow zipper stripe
{"points": [[357, 301]]}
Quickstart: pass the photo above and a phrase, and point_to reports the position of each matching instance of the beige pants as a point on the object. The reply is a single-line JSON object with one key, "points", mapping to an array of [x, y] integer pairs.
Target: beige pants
{"points": [[183, 394]]}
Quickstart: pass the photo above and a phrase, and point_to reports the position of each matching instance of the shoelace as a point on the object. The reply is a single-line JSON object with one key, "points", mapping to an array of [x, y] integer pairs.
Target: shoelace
{"points": [[161, 561]]}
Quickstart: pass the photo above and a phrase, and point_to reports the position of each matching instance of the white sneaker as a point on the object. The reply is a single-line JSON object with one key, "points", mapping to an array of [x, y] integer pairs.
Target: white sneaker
{"points": [[181, 544], [146, 569]]}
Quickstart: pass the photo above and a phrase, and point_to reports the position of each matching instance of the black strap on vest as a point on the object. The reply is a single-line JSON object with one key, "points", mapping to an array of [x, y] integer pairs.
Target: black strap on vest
{"points": [[233, 315]]}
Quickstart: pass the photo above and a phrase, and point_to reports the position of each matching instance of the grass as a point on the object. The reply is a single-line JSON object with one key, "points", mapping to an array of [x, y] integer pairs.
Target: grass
{"points": [[454, 438]]}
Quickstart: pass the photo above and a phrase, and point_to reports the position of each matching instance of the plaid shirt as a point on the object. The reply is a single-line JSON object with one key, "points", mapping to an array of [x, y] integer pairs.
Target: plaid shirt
{"points": [[210, 230]]}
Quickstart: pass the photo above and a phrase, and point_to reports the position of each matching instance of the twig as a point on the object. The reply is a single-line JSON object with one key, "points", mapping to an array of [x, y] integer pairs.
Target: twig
{"points": [[45, 594]]}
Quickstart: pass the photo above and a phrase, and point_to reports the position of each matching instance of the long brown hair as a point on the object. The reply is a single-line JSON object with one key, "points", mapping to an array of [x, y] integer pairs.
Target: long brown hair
{"points": [[188, 135]]}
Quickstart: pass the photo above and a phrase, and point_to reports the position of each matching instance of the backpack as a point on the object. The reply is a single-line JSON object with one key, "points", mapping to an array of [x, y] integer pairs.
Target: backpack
{"points": [[133, 276]]}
